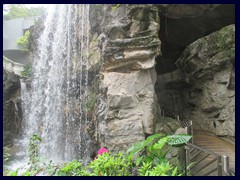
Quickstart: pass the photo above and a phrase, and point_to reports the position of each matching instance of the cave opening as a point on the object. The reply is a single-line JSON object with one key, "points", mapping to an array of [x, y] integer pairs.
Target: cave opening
{"points": [[181, 25]]}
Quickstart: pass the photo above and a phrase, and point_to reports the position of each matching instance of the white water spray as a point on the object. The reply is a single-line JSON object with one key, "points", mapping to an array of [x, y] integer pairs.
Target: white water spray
{"points": [[58, 112]]}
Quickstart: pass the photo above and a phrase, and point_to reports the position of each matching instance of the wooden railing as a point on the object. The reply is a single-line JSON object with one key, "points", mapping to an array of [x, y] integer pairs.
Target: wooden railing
{"points": [[199, 161], [202, 162]]}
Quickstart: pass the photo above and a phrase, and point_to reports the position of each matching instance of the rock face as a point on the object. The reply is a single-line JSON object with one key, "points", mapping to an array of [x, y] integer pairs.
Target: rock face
{"points": [[182, 24], [127, 107], [209, 67], [12, 109], [127, 47]]}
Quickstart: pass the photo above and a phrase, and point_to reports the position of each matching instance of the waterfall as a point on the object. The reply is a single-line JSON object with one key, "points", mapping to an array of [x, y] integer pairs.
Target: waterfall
{"points": [[58, 106]]}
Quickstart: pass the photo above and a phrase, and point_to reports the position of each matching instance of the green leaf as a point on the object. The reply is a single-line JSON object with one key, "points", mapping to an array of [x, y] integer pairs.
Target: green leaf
{"points": [[138, 160], [115, 7], [160, 144], [178, 139], [139, 146], [23, 41], [135, 148], [174, 171]]}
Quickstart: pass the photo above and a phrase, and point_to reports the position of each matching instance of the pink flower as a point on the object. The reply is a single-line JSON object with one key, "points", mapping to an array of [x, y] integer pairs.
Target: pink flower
{"points": [[102, 150]]}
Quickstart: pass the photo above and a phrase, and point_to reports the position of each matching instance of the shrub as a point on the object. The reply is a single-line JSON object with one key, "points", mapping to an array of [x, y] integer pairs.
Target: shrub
{"points": [[155, 148], [23, 41], [147, 158], [112, 165]]}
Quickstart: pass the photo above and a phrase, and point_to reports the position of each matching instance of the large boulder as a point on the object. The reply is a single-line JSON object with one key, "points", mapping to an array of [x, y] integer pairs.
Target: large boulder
{"points": [[209, 67]]}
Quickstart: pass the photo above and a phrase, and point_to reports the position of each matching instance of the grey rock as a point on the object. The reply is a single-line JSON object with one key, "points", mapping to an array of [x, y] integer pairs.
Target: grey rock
{"points": [[209, 65]]}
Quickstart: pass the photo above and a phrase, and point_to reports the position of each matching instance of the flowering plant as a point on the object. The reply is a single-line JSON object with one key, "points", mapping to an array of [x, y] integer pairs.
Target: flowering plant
{"points": [[102, 150]]}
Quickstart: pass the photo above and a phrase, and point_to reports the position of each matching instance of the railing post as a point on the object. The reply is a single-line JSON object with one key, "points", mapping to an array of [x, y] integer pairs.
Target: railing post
{"points": [[219, 161], [226, 164], [178, 119], [187, 159], [190, 130]]}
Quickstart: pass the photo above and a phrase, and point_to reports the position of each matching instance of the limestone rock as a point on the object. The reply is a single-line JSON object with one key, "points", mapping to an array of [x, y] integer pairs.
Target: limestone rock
{"points": [[209, 66], [131, 37], [130, 108], [209, 55], [167, 125], [127, 104]]}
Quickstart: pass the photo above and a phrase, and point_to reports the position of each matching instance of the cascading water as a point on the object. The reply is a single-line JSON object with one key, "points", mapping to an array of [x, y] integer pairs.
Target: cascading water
{"points": [[58, 111]]}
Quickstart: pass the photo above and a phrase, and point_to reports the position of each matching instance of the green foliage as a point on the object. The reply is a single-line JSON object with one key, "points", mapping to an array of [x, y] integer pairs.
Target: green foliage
{"points": [[173, 140], [27, 72], [115, 7], [21, 11], [51, 168], [139, 146], [225, 38], [73, 168], [6, 155], [156, 148], [178, 139], [161, 169], [147, 157], [13, 173], [28, 173], [33, 148], [23, 41], [112, 165]]}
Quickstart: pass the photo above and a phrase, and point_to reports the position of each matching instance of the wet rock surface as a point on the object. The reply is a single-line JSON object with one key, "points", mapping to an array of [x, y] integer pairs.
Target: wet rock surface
{"points": [[12, 107]]}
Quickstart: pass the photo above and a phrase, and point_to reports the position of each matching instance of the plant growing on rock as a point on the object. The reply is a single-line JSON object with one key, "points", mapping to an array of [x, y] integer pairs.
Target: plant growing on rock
{"points": [[23, 41], [27, 72], [33, 148]]}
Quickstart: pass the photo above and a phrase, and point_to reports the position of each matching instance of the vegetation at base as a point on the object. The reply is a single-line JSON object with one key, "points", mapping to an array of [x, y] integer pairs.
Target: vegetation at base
{"points": [[23, 41], [14, 11], [144, 158], [33, 148], [6, 156]]}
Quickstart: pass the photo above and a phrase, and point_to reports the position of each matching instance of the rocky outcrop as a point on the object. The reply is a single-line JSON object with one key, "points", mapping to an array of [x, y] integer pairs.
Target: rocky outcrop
{"points": [[12, 108], [209, 67], [182, 24], [127, 106]]}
